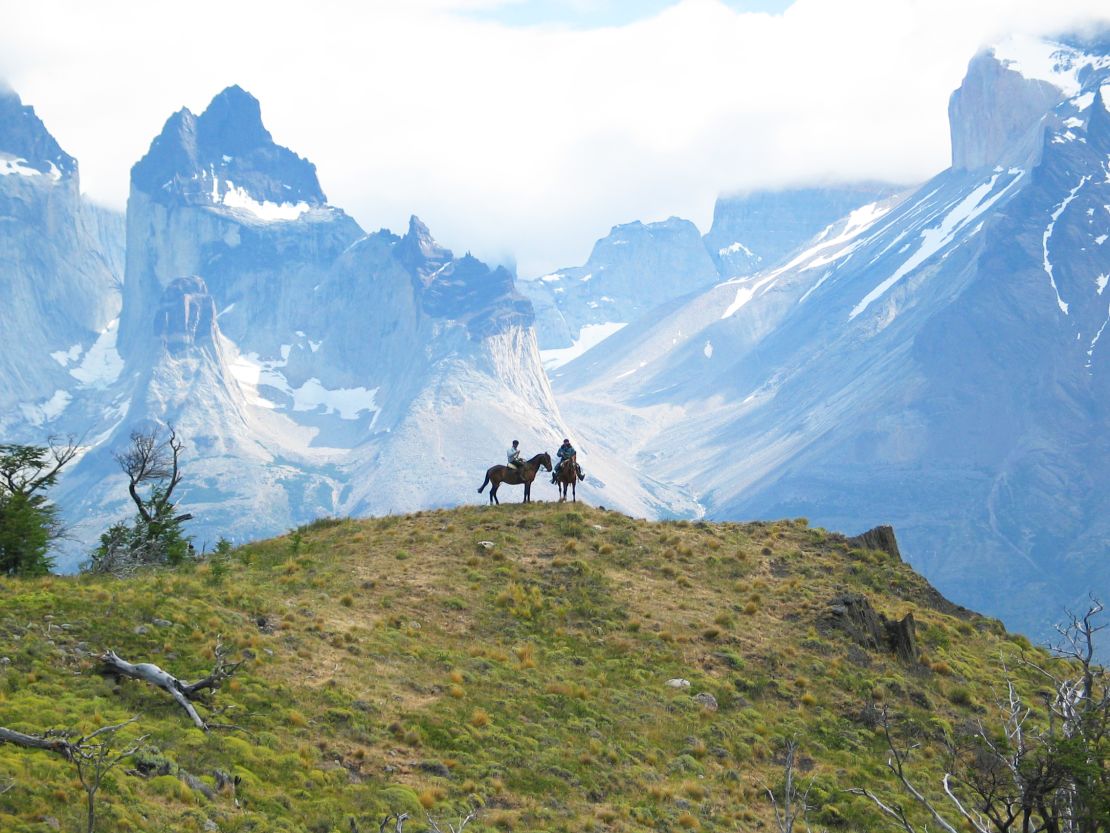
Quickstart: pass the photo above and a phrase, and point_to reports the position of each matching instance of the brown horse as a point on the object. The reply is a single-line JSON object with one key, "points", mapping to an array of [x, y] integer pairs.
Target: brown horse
{"points": [[568, 476], [514, 477]]}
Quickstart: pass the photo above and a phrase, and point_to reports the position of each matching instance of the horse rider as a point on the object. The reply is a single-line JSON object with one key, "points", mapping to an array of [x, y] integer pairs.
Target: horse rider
{"points": [[515, 460], [566, 452]]}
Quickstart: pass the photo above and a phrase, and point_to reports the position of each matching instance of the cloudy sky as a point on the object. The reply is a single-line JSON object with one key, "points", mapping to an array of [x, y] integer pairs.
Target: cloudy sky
{"points": [[524, 129]]}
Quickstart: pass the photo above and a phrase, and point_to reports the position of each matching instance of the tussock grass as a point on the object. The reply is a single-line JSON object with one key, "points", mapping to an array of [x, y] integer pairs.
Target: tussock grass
{"points": [[380, 650]]}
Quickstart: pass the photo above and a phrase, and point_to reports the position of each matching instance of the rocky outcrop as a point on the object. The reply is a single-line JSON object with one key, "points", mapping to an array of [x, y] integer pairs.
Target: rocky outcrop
{"points": [[186, 317], [853, 614], [879, 538], [994, 108]]}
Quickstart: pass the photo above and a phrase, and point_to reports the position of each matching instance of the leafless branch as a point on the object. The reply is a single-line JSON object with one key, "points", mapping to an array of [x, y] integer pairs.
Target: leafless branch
{"points": [[182, 692]]}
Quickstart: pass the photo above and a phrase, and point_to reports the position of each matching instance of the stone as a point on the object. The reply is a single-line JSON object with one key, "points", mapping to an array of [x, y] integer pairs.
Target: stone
{"points": [[707, 700], [162, 623], [853, 614], [678, 682], [486, 544], [141, 629]]}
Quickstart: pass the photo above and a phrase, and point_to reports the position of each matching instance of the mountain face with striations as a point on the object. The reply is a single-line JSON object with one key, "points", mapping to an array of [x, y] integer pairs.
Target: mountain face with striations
{"points": [[60, 270], [638, 269], [936, 359], [311, 369]]}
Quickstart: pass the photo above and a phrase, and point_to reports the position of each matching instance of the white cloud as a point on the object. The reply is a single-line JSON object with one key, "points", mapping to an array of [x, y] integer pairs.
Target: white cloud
{"points": [[529, 142]]}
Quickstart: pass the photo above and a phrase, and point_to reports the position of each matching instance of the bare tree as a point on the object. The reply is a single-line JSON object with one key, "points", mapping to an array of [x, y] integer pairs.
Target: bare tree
{"points": [[794, 806], [153, 469], [94, 755], [150, 461], [1025, 775]]}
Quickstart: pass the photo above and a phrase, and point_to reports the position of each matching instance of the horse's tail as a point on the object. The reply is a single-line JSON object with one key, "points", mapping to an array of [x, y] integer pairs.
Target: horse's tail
{"points": [[484, 483]]}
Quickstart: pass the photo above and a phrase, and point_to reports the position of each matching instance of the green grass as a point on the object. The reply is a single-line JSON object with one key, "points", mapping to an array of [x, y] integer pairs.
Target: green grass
{"points": [[396, 665]]}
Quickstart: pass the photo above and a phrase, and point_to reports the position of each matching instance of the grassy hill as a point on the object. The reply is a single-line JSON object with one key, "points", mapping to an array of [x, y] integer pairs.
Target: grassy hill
{"points": [[513, 658]]}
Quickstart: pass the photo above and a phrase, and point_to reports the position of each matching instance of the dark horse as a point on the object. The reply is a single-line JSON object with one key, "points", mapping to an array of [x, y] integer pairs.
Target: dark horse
{"points": [[568, 476], [514, 477]]}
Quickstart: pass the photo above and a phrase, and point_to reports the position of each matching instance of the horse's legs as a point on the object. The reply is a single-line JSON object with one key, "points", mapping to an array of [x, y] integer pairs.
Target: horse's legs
{"points": [[574, 492], [493, 494], [527, 492]]}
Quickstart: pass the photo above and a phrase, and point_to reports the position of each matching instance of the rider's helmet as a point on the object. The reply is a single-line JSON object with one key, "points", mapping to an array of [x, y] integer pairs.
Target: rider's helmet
{"points": [[516, 442], [566, 441]]}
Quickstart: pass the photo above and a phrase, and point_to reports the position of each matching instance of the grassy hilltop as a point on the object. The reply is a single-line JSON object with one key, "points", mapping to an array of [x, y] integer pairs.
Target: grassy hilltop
{"points": [[402, 664]]}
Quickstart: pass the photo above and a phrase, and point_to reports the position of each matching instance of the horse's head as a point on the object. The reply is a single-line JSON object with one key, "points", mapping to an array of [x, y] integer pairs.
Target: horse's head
{"points": [[545, 460]]}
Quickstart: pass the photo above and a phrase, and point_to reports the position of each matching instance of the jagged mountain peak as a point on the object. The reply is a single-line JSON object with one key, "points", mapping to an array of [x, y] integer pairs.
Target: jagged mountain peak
{"points": [[228, 159], [419, 252], [26, 146], [232, 123]]}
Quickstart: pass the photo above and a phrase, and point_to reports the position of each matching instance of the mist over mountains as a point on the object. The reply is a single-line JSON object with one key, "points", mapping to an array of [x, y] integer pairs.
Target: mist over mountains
{"points": [[860, 353]]}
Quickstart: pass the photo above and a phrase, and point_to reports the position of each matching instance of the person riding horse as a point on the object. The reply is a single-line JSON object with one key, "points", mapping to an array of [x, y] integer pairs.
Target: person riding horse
{"points": [[566, 452], [515, 460]]}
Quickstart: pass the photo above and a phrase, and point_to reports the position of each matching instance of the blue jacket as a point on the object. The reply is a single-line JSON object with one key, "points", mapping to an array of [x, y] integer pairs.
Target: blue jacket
{"points": [[565, 451]]}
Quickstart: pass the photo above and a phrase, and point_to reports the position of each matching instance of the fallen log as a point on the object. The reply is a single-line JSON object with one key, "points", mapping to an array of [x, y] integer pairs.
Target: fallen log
{"points": [[182, 692]]}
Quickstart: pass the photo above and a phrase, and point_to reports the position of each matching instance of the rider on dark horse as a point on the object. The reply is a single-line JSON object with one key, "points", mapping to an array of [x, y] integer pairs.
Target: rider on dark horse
{"points": [[566, 452], [515, 460]]}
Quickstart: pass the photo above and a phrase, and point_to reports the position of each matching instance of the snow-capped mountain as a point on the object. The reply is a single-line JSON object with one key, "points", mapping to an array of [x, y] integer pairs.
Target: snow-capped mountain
{"points": [[639, 268], [60, 268], [633, 269], [935, 360], [310, 368]]}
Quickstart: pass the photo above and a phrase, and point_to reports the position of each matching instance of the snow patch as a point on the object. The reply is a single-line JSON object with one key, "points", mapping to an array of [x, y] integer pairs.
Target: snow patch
{"points": [[733, 248], [1048, 235], [48, 410], [17, 166], [266, 211], [1100, 239], [1098, 335], [103, 364], [589, 337], [251, 371], [1101, 281], [1044, 60], [708, 349], [67, 357], [587, 277], [551, 278]]}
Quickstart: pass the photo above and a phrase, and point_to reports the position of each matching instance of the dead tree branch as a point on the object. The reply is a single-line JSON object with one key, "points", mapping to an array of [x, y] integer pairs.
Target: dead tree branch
{"points": [[182, 692], [452, 828], [52, 741]]}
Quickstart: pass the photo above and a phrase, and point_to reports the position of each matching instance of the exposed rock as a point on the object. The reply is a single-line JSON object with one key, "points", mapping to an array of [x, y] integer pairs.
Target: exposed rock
{"points": [[879, 538], [853, 614], [707, 700], [678, 682], [186, 317], [993, 108]]}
